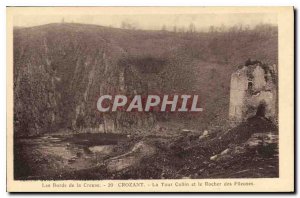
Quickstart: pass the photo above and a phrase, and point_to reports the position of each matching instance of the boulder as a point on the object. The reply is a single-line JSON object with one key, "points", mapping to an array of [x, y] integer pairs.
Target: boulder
{"points": [[131, 159]]}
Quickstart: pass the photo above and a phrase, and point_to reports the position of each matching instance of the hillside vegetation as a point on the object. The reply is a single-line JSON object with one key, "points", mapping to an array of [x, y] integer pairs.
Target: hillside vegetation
{"points": [[61, 69]]}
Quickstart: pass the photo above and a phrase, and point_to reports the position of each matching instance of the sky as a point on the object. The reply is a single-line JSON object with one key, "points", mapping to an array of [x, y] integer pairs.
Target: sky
{"points": [[152, 21]]}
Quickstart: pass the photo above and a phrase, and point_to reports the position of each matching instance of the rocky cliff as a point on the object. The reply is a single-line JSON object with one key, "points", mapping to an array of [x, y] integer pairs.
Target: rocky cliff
{"points": [[60, 70]]}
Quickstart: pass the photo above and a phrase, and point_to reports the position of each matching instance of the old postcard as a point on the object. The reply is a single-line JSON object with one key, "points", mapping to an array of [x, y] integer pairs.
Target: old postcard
{"points": [[150, 99]]}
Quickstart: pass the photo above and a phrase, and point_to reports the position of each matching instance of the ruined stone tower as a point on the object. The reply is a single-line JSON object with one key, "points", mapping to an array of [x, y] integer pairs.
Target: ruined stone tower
{"points": [[253, 91]]}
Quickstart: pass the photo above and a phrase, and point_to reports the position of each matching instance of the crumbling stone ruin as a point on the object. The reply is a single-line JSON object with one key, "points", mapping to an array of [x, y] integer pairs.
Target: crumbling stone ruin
{"points": [[253, 92]]}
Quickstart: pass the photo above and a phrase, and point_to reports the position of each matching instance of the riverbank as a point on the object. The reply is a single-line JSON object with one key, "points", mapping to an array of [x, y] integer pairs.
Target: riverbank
{"points": [[249, 150]]}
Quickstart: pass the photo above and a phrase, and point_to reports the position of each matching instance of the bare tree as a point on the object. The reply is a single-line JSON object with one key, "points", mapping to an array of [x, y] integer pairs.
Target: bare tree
{"points": [[212, 29], [174, 29], [192, 28], [128, 25]]}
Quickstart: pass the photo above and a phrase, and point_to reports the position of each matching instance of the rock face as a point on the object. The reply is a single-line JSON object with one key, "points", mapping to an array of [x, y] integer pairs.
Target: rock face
{"points": [[132, 158], [262, 142], [253, 91], [60, 70]]}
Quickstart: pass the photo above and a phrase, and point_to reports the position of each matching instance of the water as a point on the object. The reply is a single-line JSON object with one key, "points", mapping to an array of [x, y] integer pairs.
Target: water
{"points": [[50, 154]]}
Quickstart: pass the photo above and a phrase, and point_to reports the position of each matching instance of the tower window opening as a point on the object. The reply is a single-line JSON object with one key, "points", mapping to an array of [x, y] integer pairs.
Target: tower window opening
{"points": [[250, 87]]}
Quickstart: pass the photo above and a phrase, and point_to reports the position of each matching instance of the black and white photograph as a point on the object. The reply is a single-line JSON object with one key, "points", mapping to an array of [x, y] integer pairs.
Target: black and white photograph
{"points": [[111, 94]]}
